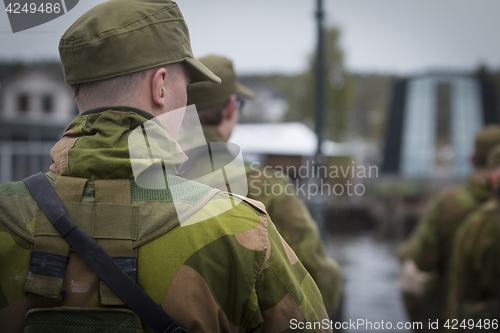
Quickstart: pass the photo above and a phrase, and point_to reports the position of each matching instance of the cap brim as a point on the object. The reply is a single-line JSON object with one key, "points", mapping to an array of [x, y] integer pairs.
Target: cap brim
{"points": [[200, 72], [244, 91]]}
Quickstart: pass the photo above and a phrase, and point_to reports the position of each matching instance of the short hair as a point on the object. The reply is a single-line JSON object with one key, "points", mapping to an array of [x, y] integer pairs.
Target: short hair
{"points": [[212, 116], [122, 87], [119, 85]]}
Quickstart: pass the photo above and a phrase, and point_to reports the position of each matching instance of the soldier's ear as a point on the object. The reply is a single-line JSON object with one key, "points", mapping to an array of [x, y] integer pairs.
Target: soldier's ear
{"points": [[229, 111], [158, 90]]}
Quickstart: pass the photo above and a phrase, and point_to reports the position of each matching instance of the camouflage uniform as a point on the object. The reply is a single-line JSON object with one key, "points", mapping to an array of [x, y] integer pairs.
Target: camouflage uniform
{"points": [[475, 269], [474, 295], [289, 213], [218, 271], [232, 272], [294, 222], [431, 244]]}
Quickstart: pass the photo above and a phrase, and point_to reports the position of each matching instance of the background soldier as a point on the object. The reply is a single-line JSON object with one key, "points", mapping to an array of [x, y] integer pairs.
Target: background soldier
{"points": [[430, 245], [475, 264], [218, 109], [127, 62]]}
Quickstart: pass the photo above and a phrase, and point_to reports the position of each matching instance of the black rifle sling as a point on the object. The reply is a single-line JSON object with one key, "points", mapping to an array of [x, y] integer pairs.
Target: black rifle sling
{"points": [[100, 262]]}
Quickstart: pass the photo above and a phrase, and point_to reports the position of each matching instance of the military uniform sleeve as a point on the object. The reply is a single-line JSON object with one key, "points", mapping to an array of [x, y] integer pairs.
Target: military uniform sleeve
{"points": [[14, 265], [287, 295], [474, 270], [425, 248], [294, 222]]}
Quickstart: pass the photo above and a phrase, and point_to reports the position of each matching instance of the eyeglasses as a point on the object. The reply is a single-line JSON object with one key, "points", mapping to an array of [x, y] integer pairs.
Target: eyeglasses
{"points": [[240, 103]]}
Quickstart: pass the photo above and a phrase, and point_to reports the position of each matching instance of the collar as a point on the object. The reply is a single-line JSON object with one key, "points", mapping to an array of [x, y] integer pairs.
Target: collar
{"points": [[478, 185], [122, 108], [108, 143], [212, 134]]}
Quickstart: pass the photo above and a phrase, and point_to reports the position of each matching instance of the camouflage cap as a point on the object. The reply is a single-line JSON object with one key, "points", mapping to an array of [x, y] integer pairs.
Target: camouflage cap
{"points": [[120, 37], [486, 139], [206, 94]]}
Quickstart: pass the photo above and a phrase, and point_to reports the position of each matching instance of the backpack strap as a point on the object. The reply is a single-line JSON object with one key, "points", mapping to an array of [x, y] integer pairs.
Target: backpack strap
{"points": [[97, 259]]}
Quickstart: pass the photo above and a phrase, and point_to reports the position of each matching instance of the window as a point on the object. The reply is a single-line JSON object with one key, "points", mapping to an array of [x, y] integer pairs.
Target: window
{"points": [[47, 103], [23, 102], [443, 158], [417, 147], [443, 112]]}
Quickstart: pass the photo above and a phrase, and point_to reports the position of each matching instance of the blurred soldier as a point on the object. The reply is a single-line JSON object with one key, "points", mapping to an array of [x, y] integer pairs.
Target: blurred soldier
{"points": [[474, 293], [127, 62], [218, 109], [430, 245]]}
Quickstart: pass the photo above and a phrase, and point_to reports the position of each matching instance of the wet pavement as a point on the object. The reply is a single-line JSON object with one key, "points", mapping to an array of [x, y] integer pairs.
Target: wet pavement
{"points": [[371, 288]]}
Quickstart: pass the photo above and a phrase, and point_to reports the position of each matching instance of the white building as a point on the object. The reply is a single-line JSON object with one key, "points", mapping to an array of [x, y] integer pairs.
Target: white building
{"points": [[35, 95], [35, 107]]}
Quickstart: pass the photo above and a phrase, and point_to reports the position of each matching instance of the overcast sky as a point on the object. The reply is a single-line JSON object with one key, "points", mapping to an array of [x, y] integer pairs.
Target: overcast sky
{"points": [[399, 36]]}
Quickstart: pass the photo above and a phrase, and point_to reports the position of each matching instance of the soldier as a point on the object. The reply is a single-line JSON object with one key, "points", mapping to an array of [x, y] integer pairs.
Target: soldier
{"points": [[218, 109], [474, 295], [430, 245], [127, 62]]}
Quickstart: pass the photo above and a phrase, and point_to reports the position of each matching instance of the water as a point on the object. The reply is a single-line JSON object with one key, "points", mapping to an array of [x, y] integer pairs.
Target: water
{"points": [[371, 288]]}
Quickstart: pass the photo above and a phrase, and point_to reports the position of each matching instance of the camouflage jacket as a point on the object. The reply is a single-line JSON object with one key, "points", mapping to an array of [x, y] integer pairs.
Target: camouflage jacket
{"points": [[229, 272], [474, 271], [294, 222], [431, 243]]}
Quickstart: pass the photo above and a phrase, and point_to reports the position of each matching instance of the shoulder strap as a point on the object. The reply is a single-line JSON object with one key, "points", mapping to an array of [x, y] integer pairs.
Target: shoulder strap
{"points": [[254, 203], [98, 259]]}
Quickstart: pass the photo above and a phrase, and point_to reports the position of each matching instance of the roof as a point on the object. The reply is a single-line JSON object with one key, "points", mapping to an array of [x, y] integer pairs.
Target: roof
{"points": [[293, 138], [9, 71]]}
